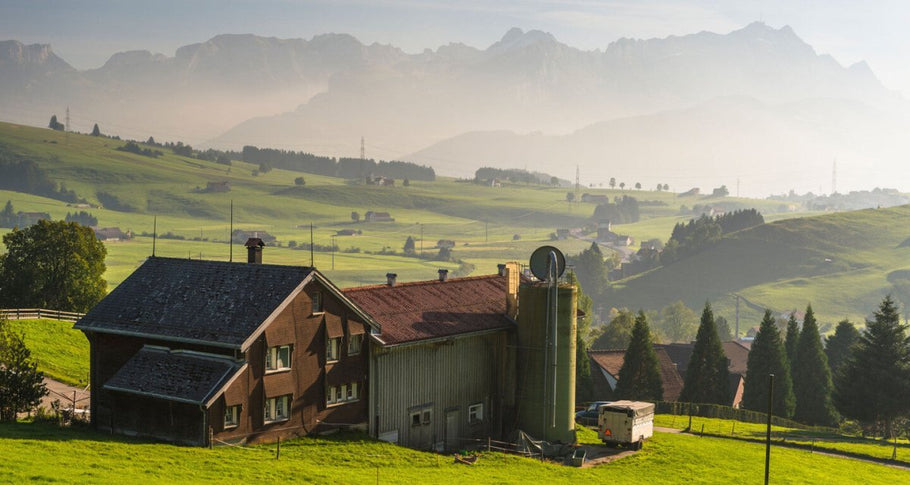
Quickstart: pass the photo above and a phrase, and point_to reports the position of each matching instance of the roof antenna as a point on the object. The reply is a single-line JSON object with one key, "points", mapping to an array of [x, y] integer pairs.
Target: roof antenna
{"points": [[231, 235], [311, 245], [154, 233]]}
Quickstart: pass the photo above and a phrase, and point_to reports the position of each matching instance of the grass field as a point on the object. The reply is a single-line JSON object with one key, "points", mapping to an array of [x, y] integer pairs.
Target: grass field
{"points": [[819, 440], [39, 452], [61, 352]]}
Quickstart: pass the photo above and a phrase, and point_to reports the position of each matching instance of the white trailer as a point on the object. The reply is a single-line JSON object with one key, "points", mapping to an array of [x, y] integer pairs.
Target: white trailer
{"points": [[625, 422]]}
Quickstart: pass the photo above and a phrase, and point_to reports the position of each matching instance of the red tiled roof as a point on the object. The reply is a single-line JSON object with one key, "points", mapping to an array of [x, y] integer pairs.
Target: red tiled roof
{"points": [[612, 360], [410, 312], [738, 355]]}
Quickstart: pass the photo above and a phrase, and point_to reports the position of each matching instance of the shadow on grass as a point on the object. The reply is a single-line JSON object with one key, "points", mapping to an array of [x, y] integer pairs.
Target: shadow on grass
{"points": [[43, 431]]}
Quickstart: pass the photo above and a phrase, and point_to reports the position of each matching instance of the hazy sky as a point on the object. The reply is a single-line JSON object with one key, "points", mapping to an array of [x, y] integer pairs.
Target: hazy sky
{"points": [[87, 32]]}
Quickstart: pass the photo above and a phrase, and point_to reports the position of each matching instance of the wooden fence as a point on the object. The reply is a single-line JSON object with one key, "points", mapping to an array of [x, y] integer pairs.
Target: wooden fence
{"points": [[37, 313]]}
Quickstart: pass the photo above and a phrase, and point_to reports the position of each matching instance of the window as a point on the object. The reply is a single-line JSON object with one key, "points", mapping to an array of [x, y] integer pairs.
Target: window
{"points": [[231, 416], [277, 409], [343, 393], [415, 419], [427, 416], [278, 358], [317, 302], [354, 344], [475, 413], [333, 349]]}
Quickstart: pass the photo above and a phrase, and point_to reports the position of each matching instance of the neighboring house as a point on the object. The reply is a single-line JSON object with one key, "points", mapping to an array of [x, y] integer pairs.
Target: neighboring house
{"points": [[595, 199], [205, 351], [439, 364], [382, 181], [218, 187], [239, 236], [111, 234], [562, 234], [372, 216], [26, 219], [605, 366], [607, 236], [737, 359]]}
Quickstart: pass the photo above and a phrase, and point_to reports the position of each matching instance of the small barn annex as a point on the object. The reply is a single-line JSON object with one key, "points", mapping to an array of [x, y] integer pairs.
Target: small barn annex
{"points": [[194, 351]]}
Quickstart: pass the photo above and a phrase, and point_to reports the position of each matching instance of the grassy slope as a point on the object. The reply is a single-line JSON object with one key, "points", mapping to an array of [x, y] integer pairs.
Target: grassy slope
{"points": [[61, 352], [820, 440], [81, 456], [782, 265], [484, 218]]}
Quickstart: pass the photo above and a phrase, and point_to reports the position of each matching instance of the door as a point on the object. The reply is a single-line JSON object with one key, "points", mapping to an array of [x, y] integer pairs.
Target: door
{"points": [[452, 438]]}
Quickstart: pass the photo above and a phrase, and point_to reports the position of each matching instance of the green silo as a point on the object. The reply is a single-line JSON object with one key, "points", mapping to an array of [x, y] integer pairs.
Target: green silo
{"points": [[536, 415]]}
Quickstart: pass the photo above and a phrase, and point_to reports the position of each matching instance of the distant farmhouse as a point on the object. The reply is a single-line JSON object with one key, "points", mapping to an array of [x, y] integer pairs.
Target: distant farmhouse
{"points": [[218, 187], [380, 180], [111, 234], [209, 352], [595, 199], [26, 219], [605, 366], [372, 216]]}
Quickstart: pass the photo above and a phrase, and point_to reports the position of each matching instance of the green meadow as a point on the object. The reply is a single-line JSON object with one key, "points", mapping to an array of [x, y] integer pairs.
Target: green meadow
{"points": [[44, 453], [61, 352]]}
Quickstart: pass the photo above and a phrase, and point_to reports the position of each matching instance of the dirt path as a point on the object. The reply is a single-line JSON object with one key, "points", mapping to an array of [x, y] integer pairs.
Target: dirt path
{"points": [[65, 394]]}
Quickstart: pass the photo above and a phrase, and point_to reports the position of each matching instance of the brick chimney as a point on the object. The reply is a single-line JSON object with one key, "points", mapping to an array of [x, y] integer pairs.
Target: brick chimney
{"points": [[254, 247], [390, 278], [511, 272], [443, 274]]}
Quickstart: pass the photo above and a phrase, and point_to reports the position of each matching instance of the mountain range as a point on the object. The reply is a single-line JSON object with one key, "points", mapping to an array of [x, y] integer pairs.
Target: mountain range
{"points": [[757, 104]]}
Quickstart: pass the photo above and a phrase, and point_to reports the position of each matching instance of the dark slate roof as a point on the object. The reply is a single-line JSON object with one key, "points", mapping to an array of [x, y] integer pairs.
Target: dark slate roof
{"points": [[191, 300], [411, 312], [175, 376]]}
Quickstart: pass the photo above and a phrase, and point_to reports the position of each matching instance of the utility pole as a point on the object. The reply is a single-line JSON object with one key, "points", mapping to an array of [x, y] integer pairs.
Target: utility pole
{"points": [[736, 335], [363, 152], [66, 128], [834, 178], [333, 252], [421, 238]]}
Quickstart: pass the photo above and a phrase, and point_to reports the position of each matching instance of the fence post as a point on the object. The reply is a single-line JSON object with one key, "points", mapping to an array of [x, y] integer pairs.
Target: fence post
{"points": [[278, 449], [488, 444]]}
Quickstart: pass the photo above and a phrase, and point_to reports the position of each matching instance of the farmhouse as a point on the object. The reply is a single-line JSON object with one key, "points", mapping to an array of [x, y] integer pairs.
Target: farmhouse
{"points": [[26, 219], [737, 358], [372, 216], [195, 351], [111, 234], [218, 186], [440, 364], [206, 352], [605, 366]]}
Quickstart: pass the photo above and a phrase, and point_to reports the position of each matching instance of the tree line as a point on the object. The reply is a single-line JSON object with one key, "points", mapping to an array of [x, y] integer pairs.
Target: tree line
{"points": [[851, 375], [698, 234], [513, 175], [351, 168], [23, 175], [623, 210]]}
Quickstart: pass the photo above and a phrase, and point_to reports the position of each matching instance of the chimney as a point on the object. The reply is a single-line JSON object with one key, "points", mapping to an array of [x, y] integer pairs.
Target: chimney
{"points": [[443, 274], [502, 269], [254, 250], [390, 277], [511, 273]]}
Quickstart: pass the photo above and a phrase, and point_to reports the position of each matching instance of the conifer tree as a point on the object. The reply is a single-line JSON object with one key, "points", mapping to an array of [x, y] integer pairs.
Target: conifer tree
{"points": [[707, 377], [792, 339], [96, 131], [768, 357], [837, 347], [872, 384], [812, 378], [639, 376]]}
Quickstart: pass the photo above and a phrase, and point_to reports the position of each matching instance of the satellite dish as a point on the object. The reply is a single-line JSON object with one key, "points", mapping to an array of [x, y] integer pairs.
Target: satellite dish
{"points": [[540, 259]]}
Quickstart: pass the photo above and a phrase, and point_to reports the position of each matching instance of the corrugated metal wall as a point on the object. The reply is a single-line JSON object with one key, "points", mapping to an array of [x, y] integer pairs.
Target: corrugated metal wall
{"points": [[446, 378]]}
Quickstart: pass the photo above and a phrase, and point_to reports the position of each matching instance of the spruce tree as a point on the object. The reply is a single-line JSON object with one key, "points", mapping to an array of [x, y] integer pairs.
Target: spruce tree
{"points": [[792, 339], [707, 376], [768, 357], [872, 384], [96, 131], [812, 378], [639, 376], [837, 347]]}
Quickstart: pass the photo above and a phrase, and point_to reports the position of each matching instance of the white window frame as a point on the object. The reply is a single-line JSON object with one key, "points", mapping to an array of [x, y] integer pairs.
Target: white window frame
{"points": [[415, 419], [342, 394], [318, 303], [333, 349], [232, 416], [331, 395], [426, 416], [355, 344], [273, 358], [475, 413], [277, 409]]}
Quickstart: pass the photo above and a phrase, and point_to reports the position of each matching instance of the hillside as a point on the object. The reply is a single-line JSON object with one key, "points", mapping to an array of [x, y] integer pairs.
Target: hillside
{"points": [[842, 263]]}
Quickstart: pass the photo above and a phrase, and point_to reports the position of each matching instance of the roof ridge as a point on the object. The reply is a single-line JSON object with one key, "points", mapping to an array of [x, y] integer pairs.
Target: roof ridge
{"points": [[423, 282]]}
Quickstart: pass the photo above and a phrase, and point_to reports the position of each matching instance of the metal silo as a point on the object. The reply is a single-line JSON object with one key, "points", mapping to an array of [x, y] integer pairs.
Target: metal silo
{"points": [[546, 360]]}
